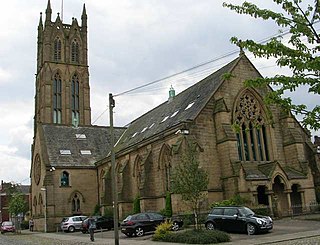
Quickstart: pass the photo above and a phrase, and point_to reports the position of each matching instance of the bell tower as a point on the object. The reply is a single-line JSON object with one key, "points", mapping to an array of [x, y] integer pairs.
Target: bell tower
{"points": [[62, 78]]}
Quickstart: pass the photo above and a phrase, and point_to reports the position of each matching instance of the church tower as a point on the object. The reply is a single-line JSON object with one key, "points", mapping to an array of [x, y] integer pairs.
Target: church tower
{"points": [[62, 78]]}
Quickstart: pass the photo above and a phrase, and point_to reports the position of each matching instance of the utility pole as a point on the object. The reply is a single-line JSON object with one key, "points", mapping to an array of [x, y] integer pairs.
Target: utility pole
{"points": [[113, 172]]}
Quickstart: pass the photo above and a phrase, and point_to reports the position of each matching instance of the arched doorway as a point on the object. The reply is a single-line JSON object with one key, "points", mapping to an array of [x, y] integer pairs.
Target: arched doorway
{"points": [[262, 196], [296, 200], [280, 199]]}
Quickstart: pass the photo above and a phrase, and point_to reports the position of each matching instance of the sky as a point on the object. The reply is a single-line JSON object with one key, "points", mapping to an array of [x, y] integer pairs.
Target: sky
{"points": [[131, 43]]}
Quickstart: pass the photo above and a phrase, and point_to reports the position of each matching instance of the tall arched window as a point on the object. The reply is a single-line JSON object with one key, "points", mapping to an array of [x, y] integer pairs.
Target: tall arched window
{"points": [[57, 49], [139, 172], [251, 129], [165, 165], [75, 100], [76, 203], [64, 179], [35, 205], [75, 51], [57, 98], [41, 204]]}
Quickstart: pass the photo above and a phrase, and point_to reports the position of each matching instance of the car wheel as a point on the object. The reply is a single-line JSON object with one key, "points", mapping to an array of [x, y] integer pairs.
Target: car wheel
{"points": [[251, 229], [210, 226], [175, 226], [71, 229], [139, 231]]}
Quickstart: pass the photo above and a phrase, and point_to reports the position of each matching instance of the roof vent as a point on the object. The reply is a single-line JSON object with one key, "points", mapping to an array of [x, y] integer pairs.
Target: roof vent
{"points": [[172, 94]]}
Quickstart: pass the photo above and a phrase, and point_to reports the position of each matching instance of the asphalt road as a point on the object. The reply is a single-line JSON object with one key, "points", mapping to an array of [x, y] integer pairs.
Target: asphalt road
{"points": [[286, 232]]}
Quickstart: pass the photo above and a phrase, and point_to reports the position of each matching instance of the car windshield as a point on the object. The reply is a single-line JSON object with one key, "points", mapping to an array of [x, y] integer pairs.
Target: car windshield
{"points": [[7, 223], [128, 218], [246, 211]]}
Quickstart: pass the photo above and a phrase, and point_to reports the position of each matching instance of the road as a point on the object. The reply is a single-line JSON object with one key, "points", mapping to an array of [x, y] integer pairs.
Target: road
{"points": [[286, 232]]}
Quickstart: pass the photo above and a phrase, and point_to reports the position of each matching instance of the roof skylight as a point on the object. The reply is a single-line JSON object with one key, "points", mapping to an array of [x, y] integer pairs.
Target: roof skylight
{"points": [[165, 118], [85, 152], [65, 152], [151, 125], [144, 129], [81, 136], [135, 134], [174, 114], [189, 106]]}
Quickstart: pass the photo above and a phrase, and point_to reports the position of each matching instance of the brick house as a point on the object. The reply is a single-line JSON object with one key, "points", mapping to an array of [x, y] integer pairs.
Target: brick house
{"points": [[5, 198]]}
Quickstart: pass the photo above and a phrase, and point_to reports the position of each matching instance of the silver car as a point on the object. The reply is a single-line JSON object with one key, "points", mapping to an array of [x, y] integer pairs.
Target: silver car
{"points": [[72, 223]]}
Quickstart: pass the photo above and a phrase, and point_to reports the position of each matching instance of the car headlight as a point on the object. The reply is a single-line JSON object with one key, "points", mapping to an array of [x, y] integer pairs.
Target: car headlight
{"points": [[259, 221]]}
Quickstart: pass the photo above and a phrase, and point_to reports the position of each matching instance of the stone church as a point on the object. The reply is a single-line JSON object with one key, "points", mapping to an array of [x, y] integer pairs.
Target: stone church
{"points": [[247, 148]]}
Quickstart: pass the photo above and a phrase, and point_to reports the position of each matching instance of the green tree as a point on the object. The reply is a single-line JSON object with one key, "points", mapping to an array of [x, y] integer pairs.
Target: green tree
{"points": [[300, 53], [17, 204], [189, 180]]}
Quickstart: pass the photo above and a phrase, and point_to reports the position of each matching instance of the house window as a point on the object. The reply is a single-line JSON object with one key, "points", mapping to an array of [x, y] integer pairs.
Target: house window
{"points": [[75, 204], [75, 100], [75, 51], [251, 129], [57, 49], [57, 99], [64, 179]]}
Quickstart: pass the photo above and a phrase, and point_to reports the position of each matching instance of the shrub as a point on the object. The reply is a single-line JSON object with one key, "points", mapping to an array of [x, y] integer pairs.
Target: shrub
{"points": [[96, 210], [162, 230], [236, 200], [196, 237], [168, 208], [136, 205], [108, 212], [24, 225], [265, 211]]}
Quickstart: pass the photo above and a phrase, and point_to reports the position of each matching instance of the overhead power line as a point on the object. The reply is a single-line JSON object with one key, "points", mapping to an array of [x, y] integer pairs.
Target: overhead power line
{"points": [[262, 41]]}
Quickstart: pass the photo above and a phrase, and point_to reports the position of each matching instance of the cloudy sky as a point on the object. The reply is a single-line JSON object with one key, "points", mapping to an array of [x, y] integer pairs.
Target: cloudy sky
{"points": [[131, 43]]}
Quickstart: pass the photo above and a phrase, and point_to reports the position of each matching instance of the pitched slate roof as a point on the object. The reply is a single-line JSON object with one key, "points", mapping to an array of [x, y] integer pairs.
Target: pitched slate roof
{"points": [[62, 137], [183, 108]]}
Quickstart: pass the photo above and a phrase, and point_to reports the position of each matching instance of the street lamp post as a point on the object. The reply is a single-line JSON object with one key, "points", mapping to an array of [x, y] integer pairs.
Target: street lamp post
{"points": [[45, 208]]}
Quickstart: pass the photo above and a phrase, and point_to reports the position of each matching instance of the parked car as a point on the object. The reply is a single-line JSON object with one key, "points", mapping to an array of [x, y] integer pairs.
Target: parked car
{"points": [[102, 222], [72, 223], [237, 219], [138, 224], [7, 226]]}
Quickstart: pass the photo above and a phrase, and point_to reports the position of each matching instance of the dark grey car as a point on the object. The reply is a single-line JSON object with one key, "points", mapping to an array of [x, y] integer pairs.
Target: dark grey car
{"points": [[237, 219]]}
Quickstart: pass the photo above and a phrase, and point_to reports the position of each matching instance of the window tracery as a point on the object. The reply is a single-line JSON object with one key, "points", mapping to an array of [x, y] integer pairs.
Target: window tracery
{"points": [[75, 100], [75, 203], [251, 129], [75, 51], [57, 49]]}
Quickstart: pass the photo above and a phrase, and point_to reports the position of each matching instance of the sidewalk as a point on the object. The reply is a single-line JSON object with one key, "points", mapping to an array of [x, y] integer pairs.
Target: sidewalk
{"points": [[108, 241]]}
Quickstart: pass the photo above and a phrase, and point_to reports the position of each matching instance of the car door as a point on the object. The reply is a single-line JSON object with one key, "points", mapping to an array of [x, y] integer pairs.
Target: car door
{"points": [[232, 220], [77, 222], [144, 221], [155, 220]]}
